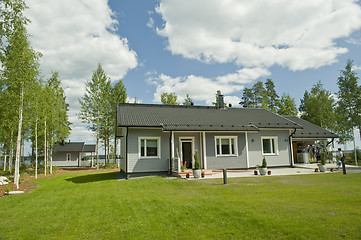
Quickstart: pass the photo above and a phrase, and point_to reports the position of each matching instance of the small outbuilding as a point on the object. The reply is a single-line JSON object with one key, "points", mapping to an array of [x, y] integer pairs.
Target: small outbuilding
{"points": [[73, 154]]}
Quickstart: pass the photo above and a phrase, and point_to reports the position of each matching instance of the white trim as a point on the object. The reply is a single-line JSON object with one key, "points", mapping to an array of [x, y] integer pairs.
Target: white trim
{"points": [[204, 150], [275, 147], [247, 155], [145, 147], [291, 146], [235, 150]]}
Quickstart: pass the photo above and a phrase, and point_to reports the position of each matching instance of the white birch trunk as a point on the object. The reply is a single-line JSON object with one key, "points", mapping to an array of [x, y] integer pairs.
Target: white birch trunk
{"points": [[11, 153], [51, 156], [36, 148], [98, 139], [45, 148], [18, 141], [4, 163]]}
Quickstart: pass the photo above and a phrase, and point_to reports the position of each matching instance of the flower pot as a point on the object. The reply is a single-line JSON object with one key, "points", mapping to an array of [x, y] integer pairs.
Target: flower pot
{"points": [[262, 171], [322, 168], [197, 173]]}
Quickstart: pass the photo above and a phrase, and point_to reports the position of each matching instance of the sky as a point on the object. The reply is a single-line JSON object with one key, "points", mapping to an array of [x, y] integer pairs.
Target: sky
{"points": [[194, 47]]}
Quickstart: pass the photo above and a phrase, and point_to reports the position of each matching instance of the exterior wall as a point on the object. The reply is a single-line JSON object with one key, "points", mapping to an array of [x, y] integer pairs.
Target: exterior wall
{"points": [[59, 159], [137, 164], [220, 162], [255, 148], [123, 151]]}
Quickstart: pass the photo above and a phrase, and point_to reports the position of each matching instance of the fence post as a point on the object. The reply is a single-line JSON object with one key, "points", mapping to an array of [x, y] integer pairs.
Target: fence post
{"points": [[224, 176]]}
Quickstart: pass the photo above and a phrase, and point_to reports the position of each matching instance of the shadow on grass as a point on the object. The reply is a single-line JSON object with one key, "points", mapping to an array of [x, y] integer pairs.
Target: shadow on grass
{"points": [[93, 178]]}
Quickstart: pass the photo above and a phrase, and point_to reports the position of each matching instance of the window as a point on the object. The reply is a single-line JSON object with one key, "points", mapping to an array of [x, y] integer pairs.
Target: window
{"points": [[226, 146], [269, 145], [149, 147], [68, 157]]}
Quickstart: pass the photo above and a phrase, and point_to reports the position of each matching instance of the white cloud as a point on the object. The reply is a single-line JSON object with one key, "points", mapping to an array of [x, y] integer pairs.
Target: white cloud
{"points": [[356, 68], [74, 36], [297, 34], [204, 89]]}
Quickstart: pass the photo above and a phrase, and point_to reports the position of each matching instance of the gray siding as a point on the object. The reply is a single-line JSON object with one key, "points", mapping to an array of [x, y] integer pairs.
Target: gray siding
{"points": [[255, 148], [137, 164], [214, 162]]}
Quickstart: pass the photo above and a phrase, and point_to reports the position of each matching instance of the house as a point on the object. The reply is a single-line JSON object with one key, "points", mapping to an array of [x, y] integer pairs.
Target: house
{"points": [[160, 138], [73, 154]]}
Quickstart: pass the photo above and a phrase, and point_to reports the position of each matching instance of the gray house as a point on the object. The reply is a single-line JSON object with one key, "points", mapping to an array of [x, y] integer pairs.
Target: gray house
{"points": [[73, 154], [157, 138]]}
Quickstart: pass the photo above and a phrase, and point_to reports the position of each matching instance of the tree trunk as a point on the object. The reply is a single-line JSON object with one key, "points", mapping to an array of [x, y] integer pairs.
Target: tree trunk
{"points": [[354, 146], [98, 139], [18, 140], [51, 155], [36, 148], [105, 152], [11, 152], [4, 163], [45, 148]]}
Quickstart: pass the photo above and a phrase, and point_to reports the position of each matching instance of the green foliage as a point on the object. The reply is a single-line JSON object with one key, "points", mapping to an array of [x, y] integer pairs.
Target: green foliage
{"points": [[349, 103], [197, 164], [317, 107], [216, 103], [287, 106], [169, 99], [264, 163], [188, 101], [98, 106]]}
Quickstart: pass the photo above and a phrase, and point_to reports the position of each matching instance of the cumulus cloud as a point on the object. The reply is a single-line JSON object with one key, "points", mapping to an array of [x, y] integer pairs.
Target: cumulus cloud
{"points": [[202, 88], [295, 34], [74, 36]]}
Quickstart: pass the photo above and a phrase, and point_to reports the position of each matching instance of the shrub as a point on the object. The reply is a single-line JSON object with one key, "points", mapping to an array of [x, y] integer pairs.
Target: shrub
{"points": [[197, 164]]}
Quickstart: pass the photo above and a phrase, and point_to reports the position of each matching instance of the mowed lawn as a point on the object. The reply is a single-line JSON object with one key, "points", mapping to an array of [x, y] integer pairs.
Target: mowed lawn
{"points": [[96, 206]]}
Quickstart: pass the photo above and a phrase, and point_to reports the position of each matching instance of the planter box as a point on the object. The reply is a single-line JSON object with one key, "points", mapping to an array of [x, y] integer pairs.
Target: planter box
{"points": [[262, 171], [197, 173], [322, 168]]}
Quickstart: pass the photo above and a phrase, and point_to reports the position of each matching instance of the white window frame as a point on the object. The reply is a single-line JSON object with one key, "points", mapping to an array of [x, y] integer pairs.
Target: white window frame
{"points": [[235, 139], [275, 147], [68, 158], [145, 147]]}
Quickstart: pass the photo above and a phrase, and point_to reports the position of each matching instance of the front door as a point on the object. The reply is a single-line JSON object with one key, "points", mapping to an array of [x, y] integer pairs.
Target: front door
{"points": [[187, 154]]}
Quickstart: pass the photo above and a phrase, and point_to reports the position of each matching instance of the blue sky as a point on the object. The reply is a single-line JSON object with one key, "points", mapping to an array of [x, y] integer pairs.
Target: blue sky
{"points": [[195, 47]]}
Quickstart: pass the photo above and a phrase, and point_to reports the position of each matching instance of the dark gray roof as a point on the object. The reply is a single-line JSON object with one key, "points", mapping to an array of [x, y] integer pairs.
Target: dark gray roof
{"points": [[199, 118], [310, 130], [74, 147]]}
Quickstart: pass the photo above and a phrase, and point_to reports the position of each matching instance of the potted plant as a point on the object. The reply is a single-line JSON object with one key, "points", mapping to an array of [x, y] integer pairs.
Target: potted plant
{"points": [[322, 166], [263, 168], [197, 167], [184, 166]]}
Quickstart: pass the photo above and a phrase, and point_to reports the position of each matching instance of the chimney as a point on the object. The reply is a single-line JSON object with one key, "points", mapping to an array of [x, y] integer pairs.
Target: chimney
{"points": [[220, 101]]}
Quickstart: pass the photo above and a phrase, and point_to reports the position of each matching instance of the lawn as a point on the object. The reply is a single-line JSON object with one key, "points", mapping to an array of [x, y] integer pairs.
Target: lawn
{"points": [[96, 206]]}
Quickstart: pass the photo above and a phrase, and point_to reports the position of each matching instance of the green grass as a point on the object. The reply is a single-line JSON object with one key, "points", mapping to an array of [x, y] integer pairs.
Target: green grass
{"points": [[95, 206]]}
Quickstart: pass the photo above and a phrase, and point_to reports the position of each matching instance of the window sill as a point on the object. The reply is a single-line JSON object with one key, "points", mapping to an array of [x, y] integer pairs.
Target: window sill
{"points": [[233, 155]]}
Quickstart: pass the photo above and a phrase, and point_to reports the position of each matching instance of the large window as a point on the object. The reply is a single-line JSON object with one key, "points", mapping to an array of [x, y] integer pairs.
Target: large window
{"points": [[226, 146], [269, 145], [149, 147]]}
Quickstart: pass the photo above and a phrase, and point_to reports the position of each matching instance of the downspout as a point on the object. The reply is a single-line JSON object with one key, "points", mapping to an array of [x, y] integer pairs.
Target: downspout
{"points": [[291, 150], [170, 153], [126, 155]]}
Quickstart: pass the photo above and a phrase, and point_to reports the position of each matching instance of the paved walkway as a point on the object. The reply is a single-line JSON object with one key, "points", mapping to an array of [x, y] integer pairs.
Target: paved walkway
{"points": [[296, 170]]}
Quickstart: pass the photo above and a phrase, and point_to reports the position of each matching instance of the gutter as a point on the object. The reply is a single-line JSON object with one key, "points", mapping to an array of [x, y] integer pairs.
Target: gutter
{"points": [[291, 150], [170, 153]]}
